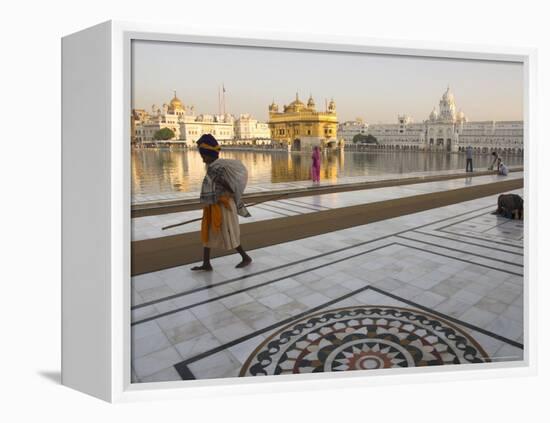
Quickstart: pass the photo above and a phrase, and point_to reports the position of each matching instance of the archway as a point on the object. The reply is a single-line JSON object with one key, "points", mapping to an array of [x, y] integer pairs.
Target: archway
{"points": [[296, 144]]}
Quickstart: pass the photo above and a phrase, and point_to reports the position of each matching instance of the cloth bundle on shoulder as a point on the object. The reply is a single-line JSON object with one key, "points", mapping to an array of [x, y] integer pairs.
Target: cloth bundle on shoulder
{"points": [[231, 173]]}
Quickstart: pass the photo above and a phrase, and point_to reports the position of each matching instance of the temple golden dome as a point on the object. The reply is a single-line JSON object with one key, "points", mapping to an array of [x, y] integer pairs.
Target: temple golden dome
{"points": [[176, 103], [296, 105]]}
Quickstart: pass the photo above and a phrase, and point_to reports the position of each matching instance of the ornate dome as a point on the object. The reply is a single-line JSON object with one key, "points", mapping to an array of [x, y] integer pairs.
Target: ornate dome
{"points": [[448, 96], [447, 107], [310, 102], [460, 116], [433, 114], [296, 105], [176, 103], [331, 105]]}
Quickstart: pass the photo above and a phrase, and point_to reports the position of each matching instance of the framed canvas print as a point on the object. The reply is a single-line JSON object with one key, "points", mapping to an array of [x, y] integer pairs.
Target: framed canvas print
{"points": [[311, 209]]}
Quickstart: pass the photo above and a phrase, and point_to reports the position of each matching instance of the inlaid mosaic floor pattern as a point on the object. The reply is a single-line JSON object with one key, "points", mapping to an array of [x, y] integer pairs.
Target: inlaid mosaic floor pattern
{"points": [[440, 287], [363, 338]]}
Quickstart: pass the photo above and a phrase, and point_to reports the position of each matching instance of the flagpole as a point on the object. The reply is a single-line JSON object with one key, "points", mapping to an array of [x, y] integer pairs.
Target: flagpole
{"points": [[219, 101], [223, 94]]}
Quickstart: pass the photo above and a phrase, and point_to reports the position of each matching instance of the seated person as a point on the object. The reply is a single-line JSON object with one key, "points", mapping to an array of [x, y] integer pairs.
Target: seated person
{"points": [[502, 169], [496, 160]]}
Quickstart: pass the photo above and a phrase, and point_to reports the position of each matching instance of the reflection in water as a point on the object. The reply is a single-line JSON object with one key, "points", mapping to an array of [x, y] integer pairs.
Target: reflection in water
{"points": [[162, 170]]}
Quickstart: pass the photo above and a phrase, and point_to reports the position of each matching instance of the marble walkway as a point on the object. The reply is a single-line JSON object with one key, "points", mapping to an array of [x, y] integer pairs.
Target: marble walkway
{"points": [[439, 287], [151, 226]]}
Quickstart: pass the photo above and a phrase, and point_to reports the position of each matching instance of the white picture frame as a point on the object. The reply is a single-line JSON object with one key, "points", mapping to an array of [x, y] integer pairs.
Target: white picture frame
{"points": [[96, 224]]}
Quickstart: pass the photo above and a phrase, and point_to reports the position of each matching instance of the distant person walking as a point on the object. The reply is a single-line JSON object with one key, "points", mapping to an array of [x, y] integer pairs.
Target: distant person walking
{"points": [[469, 162], [496, 160], [316, 165]]}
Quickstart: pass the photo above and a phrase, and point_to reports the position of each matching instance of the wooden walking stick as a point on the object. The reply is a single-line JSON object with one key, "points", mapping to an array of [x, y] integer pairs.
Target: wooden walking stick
{"points": [[182, 223], [246, 205]]}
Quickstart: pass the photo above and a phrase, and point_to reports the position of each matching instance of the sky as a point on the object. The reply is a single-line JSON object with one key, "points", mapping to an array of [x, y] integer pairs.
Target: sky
{"points": [[375, 88]]}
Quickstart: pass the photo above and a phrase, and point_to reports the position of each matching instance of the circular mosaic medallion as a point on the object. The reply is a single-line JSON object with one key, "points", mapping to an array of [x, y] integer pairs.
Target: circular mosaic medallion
{"points": [[363, 338]]}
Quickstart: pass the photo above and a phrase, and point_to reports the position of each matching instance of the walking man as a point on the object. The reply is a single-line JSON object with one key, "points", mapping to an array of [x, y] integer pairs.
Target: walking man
{"points": [[221, 192], [469, 162]]}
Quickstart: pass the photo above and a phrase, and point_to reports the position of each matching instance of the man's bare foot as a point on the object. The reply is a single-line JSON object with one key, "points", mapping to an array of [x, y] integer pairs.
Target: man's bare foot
{"points": [[244, 263], [206, 268]]}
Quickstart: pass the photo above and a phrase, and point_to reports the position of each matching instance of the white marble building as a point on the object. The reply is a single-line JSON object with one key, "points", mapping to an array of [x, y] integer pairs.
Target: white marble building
{"points": [[187, 126], [170, 116], [221, 126], [249, 129], [347, 130], [145, 129], [405, 134], [449, 130]]}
